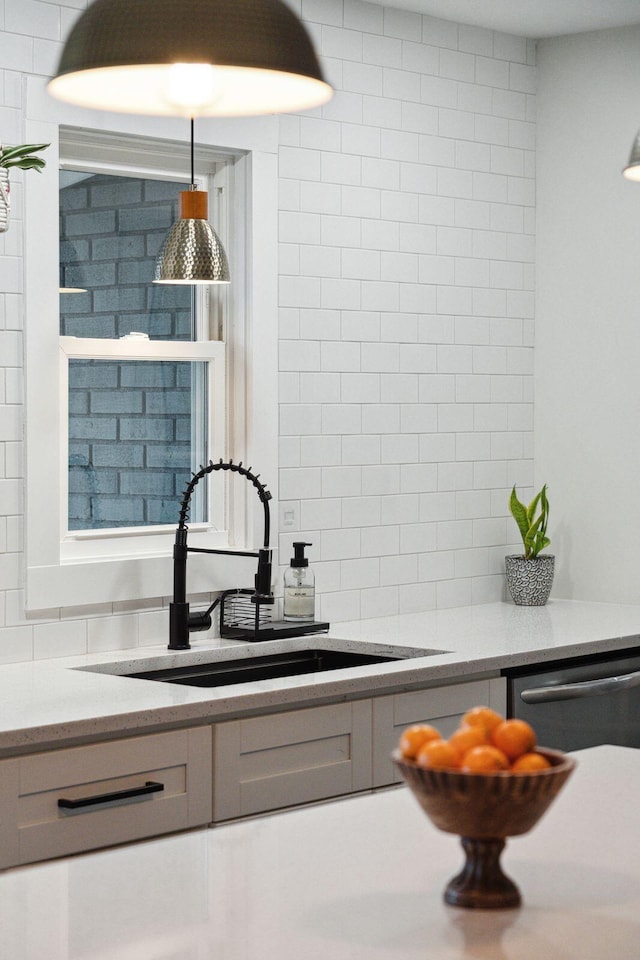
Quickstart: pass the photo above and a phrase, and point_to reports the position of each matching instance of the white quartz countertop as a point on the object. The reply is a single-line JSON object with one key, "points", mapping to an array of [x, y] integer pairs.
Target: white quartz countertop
{"points": [[355, 879], [58, 702]]}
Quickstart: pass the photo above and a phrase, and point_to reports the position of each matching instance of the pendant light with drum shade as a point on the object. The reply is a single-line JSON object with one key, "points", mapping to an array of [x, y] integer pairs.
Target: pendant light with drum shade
{"points": [[632, 169], [190, 58], [192, 252]]}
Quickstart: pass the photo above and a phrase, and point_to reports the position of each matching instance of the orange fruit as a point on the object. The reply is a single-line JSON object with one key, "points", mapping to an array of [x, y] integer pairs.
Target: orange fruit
{"points": [[484, 759], [467, 737], [414, 737], [438, 755], [483, 717], [528, 762], [514, 737]]}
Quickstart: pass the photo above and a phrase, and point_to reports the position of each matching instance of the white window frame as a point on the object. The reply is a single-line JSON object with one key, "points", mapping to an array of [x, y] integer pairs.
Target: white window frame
{"points": [[54, 580], [77, 545]]}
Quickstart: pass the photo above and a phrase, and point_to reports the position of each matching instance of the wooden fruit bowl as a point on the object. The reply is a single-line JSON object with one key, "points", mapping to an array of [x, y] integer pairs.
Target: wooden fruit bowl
{"points": [[484, 809]]}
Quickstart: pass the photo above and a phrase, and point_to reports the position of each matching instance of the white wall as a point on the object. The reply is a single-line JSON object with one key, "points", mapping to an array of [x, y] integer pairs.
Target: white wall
{"points": [[406, 295], [588, 311], [406, 242]]}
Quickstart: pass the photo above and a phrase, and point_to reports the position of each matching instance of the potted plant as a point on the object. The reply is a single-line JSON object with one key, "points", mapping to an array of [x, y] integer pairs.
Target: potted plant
{"points": [[530, 575], [23, 157]]}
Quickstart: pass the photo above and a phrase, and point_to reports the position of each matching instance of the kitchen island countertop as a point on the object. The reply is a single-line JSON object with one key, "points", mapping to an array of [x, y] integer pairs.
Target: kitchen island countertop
{"points": [[354, 879], [58, 702]]}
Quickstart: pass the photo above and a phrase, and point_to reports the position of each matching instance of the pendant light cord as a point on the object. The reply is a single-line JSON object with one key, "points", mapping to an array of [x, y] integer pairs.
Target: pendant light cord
{"points": [[193, 176]]}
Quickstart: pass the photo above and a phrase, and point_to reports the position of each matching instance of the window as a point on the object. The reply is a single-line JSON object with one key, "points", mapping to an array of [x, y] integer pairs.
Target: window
{"points": [[150, 381]]}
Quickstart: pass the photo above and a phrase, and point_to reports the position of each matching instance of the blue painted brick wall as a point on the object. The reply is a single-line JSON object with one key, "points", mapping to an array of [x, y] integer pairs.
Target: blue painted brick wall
{"points": [[129, 422]]}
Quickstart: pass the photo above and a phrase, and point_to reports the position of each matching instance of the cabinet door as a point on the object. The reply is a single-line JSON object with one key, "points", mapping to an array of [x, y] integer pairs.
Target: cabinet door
{"points": [[65, 801], [285, 759], [441, 706]]}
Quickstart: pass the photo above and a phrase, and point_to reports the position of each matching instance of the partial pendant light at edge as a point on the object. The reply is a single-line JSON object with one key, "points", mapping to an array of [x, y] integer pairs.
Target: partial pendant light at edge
{"points": [[632, 169], [192, 252], [190, 58]]}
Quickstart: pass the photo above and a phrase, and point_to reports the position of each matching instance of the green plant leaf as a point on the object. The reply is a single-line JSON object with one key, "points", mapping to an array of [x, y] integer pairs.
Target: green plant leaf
{"points": [[20, 156], [519, 513], [531, 509], [532, 521]]}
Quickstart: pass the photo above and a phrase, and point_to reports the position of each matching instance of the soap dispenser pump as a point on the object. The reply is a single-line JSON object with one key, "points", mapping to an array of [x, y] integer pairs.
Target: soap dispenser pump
{"points": [[299, 586]]}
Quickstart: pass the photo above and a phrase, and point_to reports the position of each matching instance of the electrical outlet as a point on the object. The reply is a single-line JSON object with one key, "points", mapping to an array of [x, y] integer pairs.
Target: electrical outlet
{"points": [[289, 516]]}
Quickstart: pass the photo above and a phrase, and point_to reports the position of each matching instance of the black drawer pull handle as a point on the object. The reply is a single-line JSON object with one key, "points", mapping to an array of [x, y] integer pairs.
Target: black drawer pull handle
{"points": [[149, 787]]}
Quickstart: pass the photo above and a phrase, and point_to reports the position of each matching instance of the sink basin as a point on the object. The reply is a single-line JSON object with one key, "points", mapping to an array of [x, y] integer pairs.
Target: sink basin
{"points": [[271, 660], [290, 664]]}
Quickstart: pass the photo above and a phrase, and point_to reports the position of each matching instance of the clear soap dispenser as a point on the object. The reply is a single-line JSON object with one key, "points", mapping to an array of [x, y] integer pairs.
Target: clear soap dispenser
{"points": [[299, 586]]}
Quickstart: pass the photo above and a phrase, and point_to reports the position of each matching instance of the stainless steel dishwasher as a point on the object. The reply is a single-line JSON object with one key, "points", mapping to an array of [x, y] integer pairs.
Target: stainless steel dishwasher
{"points": [[580, 703]]}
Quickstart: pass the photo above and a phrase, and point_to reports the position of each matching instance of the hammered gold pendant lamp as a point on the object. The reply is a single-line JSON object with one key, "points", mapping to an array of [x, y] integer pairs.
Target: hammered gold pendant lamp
{"points": [[190, 58]]}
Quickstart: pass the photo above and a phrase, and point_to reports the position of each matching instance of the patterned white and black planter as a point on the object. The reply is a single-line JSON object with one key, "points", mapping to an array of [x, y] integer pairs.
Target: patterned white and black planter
{"points": [[530, 581]]}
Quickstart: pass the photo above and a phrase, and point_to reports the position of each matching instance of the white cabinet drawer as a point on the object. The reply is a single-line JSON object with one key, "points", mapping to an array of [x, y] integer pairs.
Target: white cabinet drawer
{"points": [[65, 801], [441, 706], [285, 759]]}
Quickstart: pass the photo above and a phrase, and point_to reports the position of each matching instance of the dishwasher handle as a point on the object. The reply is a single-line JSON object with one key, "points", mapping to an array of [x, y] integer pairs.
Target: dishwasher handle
{"points": [[584, 688]]}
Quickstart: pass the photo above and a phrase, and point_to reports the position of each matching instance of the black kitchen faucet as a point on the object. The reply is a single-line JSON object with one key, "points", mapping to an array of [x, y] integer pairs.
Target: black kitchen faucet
{"points": [[181, 621]]}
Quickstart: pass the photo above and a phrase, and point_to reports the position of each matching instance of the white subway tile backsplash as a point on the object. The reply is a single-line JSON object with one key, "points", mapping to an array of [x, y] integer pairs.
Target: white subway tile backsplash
{"points": [[457, 66], [361, 512], [300, 481], [339, 418], [418, 358], [383, 174], [417, 537], [509, 104], [492, 73], [341, 481], [300, 419], [320, 514], [381, 480], [403, 24], [383, 51], [406, 244], [340, 544], [360, 574], [341, 168], [401, 145], [363, 388], [522, 77], [380, 602], [320, 451], [418, 477], [323, 11], [421, 58], [400, 449], [474, 505], [401, 84], [453, 593], [362, 78], [436, 565], [403, 508], [320, 198], [471, 563], [289, 323], [399, 569], [437, 447], [454, 476], [381, 418], [289, 387], [419, 417], [508, 47]]}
